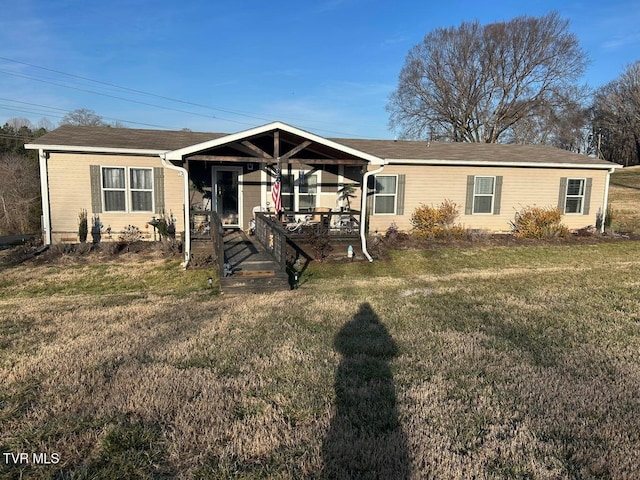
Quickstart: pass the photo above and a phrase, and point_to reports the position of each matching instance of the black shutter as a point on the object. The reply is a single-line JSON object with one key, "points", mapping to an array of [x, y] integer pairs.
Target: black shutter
{"points": [[587, 196], [158, 189], [96, 190], [402, 180], [562, 196], [468, 207], [497, 196]]}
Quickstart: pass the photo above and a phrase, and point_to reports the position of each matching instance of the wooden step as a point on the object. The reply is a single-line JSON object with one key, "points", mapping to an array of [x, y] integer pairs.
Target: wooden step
{"points": [[253, 273], [241, 284]]}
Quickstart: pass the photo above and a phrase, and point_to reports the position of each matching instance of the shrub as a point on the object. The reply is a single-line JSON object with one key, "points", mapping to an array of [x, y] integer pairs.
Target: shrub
{"points": [[166, 228], [320, 244], [538, 223], [394, 234], [437, 222], [608, 218], [130, 234], [83, 226], [96, 229]]}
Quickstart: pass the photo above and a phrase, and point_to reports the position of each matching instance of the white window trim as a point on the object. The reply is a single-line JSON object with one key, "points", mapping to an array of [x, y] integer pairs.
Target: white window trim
{"points": [[492, 195], [131, 190], [127, 190], [581, 196], [394, 195], [103, 189]]}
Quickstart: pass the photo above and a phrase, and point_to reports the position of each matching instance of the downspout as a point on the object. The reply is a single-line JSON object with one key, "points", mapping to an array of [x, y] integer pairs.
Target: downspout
{"points": [[44, 193], [606, 198], [363, 211], [187, 231]]}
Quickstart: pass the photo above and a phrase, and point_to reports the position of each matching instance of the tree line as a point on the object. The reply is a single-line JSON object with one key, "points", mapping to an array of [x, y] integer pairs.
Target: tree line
{"points": [[515, 82], [20, 199]]}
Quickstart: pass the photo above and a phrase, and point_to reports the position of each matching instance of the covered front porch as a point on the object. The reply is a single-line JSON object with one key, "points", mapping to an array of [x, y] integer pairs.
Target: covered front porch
{"points": [[320, 183], [233, 177]]}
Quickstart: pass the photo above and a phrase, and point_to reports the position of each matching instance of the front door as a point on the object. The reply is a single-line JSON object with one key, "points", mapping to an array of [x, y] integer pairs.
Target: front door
{"points": [[227, 195]]}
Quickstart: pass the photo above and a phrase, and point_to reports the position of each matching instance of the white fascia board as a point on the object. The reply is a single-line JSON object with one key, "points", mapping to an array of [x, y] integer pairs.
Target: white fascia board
{"points": [[478, 163], [180, 153], [83, 149]]}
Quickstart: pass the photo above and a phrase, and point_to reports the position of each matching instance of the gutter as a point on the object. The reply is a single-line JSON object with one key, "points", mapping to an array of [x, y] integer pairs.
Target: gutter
{"points": [[606, 197], [84, 149], [363, 211], [44, 194], [187, 231], [488, 163]]}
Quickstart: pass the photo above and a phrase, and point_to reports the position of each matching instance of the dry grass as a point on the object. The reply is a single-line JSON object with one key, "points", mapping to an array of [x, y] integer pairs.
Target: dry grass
{"points": [[623, 199], [478, 363]]}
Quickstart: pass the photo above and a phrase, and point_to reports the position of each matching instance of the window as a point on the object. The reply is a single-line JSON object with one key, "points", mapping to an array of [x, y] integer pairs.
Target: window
{"points": [[117, 194], [384, 197], [575, 195], [483, 194], [114, 189], [307, 188], [299, 191], [141, 185]]}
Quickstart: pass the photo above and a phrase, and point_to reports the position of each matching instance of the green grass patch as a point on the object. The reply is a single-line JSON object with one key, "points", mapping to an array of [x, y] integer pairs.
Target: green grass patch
{"points": [[161, 278], [446, 260], [474, 362]]}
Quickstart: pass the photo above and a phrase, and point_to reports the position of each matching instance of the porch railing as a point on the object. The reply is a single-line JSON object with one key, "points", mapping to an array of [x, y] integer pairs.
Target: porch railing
{"points": [[206, 225], [333, 224], [201, 223], [273, 237], [217, 234]]}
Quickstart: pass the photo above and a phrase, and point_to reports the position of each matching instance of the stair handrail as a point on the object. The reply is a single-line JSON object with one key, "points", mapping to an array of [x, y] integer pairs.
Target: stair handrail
{"points": [[272, 237]]}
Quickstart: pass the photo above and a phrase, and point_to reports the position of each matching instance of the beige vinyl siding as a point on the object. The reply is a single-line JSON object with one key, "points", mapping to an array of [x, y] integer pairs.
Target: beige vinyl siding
{"points": [[521, 187], [70, 192]]}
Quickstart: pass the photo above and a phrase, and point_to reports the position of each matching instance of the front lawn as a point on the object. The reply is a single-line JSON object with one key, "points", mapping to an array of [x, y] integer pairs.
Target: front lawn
{"points": [[476, 362]]}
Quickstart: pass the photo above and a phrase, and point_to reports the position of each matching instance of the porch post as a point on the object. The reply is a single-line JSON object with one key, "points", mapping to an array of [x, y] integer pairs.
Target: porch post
{"points": [[276, 155]]}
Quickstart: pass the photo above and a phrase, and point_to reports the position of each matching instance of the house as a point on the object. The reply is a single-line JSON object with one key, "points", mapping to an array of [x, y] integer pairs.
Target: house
{"points": [[128, 176]]}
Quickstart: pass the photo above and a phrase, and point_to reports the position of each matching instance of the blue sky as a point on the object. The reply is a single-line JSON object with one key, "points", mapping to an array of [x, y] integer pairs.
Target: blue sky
{"points": [[326, 66]]}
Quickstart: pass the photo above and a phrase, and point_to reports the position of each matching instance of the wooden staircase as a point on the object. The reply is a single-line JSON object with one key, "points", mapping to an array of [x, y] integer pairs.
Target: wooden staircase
{"points": [[253, 269]]}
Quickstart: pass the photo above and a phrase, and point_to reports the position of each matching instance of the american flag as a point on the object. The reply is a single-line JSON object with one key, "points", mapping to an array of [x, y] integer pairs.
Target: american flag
{"points": [[275, 192]]}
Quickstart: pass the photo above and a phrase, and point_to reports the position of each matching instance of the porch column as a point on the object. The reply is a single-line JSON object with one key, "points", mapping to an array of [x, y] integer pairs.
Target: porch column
{"points": [[276, 155]]}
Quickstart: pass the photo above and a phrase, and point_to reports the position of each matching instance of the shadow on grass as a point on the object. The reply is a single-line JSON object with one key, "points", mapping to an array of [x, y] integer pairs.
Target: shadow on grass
{"points": [[365, 439]]}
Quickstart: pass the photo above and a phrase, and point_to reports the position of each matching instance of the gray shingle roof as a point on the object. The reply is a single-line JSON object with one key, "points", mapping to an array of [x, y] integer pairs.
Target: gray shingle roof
{"points": [[163, 140], [139, 139], [469, 152]]}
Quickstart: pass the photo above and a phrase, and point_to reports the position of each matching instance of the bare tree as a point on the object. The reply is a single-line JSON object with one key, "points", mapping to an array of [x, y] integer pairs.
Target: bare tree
{"points": [[616, 118], [478, 83], [565, 126], [45, 125], [19, 194], [83, 117]]}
